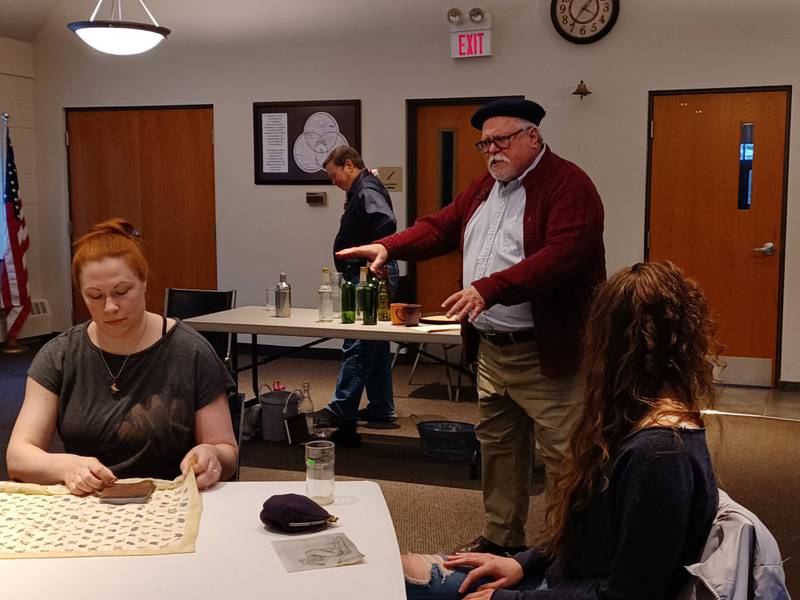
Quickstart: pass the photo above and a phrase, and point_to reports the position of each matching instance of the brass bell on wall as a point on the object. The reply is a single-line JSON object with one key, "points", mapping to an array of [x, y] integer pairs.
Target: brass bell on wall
{"points": [[581, 90]]}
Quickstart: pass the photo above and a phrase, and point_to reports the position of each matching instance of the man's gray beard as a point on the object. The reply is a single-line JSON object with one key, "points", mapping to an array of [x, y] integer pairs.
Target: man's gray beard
{"points": [[496, 177]]}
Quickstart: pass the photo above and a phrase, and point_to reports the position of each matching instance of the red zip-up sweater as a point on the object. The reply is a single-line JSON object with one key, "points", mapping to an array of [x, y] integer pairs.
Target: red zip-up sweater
{"points": [[564, 256]]}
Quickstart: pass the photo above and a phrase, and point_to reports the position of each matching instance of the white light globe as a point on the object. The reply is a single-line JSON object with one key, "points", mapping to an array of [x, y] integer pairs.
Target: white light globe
{"points": [[115, 40]]}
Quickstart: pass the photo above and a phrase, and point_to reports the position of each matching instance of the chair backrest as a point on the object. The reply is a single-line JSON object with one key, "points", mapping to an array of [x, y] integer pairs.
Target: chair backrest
{"points": [[757, 462], [185, 303]]}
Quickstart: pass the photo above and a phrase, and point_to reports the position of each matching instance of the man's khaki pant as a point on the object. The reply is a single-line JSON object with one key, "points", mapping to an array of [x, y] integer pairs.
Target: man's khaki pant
{"points": [[517, 403]]}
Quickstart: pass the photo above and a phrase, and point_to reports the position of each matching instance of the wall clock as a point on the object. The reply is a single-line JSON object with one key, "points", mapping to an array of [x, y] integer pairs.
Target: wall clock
{"points": [[583, 21]]}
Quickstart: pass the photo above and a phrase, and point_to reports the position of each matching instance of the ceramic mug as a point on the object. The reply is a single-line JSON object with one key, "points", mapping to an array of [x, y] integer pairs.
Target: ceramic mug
{"points": [[405, 314], [397, 311]]}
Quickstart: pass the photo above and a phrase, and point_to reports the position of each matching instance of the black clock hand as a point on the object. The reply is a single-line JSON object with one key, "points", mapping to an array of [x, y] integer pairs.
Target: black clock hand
{"points": [[586, 8]]}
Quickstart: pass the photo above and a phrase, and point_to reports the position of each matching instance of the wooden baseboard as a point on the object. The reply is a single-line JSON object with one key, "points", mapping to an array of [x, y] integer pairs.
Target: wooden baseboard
{"points": [[789, 386]]}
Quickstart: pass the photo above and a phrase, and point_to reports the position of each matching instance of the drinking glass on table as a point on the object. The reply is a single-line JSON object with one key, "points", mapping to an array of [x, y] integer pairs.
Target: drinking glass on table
{"points": [[270, 298], [319, 471]]}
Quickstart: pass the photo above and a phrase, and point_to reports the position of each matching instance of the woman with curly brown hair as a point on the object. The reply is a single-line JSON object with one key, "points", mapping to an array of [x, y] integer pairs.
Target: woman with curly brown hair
{"points": [[636, 497]]}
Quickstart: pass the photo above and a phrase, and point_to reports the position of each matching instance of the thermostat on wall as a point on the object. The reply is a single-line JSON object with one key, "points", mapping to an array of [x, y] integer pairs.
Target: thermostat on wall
{"points": [[316, 197]]}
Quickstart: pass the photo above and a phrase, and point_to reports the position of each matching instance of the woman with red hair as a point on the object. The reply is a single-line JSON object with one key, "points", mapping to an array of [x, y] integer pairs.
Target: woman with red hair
{"points": [[131, 393]]}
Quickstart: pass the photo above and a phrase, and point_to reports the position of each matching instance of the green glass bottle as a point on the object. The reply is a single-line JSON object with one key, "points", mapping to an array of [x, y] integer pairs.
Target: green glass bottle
{"points": [[383, 300], [348, 299], [370, 314], [366, 299], [371, 277]]}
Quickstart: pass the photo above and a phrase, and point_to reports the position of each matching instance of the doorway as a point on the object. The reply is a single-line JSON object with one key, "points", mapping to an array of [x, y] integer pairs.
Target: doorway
{"points": [[153, 166], [442, 161], [716, 206]]}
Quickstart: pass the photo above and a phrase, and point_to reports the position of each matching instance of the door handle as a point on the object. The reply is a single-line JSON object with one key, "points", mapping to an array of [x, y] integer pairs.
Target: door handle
{"points": [[767, 249]]}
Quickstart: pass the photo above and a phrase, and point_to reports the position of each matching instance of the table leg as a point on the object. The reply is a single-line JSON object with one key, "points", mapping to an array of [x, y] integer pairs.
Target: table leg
{"points": [[445, 348], [254, 362]]}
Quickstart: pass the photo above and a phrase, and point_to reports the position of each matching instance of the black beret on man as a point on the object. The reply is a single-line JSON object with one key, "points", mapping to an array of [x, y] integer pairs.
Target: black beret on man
{"points": [[508, 107]]}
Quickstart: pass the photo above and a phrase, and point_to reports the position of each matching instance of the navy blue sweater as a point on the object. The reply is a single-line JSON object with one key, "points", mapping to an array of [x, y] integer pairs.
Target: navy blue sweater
{"points": [[632, 540]]}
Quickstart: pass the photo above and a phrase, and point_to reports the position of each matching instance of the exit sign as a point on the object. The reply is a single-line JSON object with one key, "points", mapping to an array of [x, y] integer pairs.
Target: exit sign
{"points": [[474, 42]]}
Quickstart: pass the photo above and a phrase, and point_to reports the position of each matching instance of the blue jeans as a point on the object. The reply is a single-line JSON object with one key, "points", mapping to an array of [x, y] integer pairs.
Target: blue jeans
{"points": [[366, 364], [445, 586]]}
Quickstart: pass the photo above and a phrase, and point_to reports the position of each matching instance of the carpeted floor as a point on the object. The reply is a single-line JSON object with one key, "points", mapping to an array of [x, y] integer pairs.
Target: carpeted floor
{"points": [[388, 457]]}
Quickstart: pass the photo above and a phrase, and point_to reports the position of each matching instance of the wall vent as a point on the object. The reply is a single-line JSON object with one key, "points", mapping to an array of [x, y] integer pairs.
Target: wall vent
{"points": [[39, 322]]}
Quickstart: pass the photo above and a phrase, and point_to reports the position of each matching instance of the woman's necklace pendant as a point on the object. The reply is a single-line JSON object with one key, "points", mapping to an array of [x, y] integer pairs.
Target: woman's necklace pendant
{"points": [[114, 388]]}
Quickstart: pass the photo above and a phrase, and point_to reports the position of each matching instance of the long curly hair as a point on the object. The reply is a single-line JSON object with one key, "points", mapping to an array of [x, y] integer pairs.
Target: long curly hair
{"points": [[649, 336]]}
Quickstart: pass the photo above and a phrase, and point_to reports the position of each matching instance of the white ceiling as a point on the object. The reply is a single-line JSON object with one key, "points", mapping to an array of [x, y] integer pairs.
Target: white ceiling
{"points": [[22, 19]]}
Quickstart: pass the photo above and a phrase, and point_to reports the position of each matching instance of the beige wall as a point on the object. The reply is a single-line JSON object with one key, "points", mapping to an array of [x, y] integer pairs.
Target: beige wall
{"points": [[17, 99], [384, 53]]}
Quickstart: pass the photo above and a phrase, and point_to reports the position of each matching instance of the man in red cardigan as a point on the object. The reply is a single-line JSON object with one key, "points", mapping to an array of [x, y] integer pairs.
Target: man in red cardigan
{"points": [[531, 234]]}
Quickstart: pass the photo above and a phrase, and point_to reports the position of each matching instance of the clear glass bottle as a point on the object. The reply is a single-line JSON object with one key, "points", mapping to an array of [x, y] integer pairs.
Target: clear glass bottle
{"points": [[283, 297], [383, 300], [348, 298], [306, 406], [362, 285], [336, 284], [325, 297]]}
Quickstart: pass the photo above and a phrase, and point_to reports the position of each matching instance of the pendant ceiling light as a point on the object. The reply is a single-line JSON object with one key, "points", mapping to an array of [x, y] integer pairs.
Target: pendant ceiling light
{"points": [[117, 36]]}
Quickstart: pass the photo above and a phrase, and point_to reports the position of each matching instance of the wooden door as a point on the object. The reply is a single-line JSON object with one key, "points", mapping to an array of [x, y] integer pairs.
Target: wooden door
{"points": [[446, 161], [717, 189], [155, 168]]}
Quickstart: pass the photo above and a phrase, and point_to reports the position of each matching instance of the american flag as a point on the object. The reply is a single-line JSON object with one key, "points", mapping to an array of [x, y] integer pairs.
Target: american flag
{"points": [[15, 296]]}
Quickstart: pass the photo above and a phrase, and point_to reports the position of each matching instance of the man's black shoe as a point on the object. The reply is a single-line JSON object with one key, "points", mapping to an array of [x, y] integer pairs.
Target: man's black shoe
{"points": [[325, 419], [481, 544], [363, 416]]}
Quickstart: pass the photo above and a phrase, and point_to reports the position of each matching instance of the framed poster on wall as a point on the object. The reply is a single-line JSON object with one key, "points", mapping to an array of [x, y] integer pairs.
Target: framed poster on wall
{"points": [[291, 140]]}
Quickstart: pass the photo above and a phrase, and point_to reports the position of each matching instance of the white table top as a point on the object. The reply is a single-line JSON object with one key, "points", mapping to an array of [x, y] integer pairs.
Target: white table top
{"points": [[234, 559], [304, 322]]}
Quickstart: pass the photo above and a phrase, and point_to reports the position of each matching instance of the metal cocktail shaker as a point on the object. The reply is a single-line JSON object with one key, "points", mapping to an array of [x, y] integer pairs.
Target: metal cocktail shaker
{"points": [[283, 298]]}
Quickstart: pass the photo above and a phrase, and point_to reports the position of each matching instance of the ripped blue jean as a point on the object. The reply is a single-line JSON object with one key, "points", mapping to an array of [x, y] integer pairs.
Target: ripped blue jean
{"points": [[444, 584]]}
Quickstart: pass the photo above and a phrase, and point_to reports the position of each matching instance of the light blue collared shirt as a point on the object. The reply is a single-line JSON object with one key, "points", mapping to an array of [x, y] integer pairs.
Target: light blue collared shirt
{"points": [[493, 241]]}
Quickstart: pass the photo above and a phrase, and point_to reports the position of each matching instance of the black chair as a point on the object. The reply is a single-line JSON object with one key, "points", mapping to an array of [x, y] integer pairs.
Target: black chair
{"points": [[180, 303]]}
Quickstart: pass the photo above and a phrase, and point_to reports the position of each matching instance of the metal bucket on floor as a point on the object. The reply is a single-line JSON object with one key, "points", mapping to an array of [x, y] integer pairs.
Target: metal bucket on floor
{"points": [[449, 440], [276, 407]]}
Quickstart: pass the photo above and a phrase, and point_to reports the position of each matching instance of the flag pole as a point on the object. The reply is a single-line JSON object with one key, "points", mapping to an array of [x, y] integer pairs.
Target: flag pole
{"points": [[11, 346]]}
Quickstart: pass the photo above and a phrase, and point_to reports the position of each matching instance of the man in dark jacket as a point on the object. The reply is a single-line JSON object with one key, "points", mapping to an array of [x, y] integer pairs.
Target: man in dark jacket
{"points": [[531, 233], [365, 363]]}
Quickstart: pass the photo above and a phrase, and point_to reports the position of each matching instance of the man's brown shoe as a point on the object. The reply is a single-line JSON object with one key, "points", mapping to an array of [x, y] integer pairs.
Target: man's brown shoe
{"points": [[481, 544]]}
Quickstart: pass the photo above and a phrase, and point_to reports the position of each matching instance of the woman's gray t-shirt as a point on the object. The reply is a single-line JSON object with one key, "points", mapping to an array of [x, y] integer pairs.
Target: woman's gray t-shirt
{"points": [[146, 428]]}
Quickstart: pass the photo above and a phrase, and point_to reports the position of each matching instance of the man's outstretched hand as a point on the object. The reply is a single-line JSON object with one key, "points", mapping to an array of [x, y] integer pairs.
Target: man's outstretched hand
{"points": [[376, 253]]}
